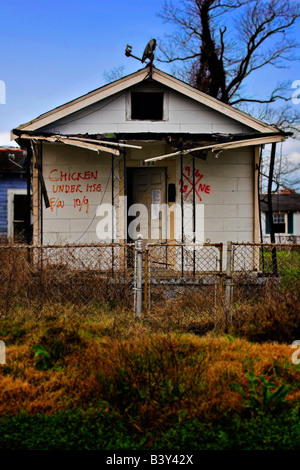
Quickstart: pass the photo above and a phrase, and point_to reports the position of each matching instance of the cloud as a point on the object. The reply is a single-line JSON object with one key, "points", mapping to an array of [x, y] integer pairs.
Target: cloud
{"points": [[291, 148], [5, 139], [294, 157], [291, 145]]}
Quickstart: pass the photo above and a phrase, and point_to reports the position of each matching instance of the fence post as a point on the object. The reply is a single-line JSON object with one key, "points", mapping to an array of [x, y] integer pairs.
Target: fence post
{"points": [[138, 276], [220, 274], [146, 278], [228, 286]]}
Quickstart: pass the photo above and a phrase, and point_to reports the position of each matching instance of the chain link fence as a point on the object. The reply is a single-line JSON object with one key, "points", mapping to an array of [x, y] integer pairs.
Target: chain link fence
{"points": [[255, 267], [267, 260], [84, 275], [200, 276], [176, 270]]}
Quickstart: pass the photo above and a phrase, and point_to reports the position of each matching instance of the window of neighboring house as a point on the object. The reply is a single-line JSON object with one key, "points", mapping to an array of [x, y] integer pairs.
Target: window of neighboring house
{"points": [[17, 215], [283, 222], [147, 106], [279, 223]]}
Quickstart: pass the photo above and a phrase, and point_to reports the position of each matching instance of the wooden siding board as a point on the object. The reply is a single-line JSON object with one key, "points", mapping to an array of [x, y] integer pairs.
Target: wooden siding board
{"points": [[111, 115]]}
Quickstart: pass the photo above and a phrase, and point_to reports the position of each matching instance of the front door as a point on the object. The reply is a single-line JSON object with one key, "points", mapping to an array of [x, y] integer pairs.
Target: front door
{"points": [[147, 188]]}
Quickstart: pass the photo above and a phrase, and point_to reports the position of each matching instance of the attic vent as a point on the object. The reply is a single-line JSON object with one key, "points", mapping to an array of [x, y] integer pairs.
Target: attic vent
{"points": [[147, 106]]}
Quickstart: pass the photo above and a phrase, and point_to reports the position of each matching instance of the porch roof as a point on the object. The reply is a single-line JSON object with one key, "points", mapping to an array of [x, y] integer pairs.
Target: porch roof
{"points": [[182, 143]]}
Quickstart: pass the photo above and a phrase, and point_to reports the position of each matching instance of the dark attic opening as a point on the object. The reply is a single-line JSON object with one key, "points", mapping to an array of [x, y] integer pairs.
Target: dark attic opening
{"points": [[147, 106]]}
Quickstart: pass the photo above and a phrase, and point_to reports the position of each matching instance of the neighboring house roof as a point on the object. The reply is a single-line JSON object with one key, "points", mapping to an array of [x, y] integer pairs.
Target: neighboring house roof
{"points": [[133, 79], [11, 161], [281, 202]]}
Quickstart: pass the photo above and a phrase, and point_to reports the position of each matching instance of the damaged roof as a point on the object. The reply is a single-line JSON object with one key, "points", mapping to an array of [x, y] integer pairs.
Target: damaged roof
{"points": [[11, 160], [135, 78]]}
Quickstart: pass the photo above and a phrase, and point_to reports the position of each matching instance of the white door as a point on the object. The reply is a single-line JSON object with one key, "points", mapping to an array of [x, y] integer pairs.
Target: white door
{"points": [[149, 191]]}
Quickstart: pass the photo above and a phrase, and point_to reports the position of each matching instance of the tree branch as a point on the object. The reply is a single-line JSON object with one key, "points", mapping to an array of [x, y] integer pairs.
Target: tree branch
{"points": [[220, 60]]}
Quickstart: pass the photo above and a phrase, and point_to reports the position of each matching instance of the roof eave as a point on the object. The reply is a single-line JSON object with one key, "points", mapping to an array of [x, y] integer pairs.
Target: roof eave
{"points": [[133, 79], [77, 104]]}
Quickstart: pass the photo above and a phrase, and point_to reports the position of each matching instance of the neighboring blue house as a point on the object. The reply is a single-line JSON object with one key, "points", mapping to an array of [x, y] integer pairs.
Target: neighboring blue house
{"points": [[13, 195]]}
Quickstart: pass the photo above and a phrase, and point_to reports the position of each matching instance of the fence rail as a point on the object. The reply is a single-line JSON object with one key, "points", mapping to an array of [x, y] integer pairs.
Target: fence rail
{"points": [[143, 277]]}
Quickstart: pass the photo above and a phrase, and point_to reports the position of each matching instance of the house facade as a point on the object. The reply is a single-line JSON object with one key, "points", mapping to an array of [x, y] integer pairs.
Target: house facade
{"points": [[145, 154], [286, 217]]}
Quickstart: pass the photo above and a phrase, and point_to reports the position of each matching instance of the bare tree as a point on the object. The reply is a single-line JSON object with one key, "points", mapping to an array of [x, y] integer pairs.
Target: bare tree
{"points": [[114, 74], [286, 173], [222, 42]]}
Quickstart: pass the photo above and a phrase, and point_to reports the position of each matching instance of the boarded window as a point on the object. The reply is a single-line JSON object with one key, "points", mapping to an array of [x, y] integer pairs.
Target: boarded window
{"points": [[147, 106]]}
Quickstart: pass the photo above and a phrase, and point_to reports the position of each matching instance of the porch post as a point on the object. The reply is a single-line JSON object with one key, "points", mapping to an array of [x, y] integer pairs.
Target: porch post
{"points": [[182, 211], [41, 191], [194, 218], [270, 208], [113, 214], [125, 195], [28, 163]]}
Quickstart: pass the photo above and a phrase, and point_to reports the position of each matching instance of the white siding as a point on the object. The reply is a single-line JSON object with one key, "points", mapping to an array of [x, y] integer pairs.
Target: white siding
{"points": [[227, 204], [228, 200], [111, 115], [75, 221]]}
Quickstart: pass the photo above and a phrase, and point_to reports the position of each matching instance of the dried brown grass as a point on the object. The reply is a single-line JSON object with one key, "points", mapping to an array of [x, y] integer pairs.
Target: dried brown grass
{"points": [[147, 375], [28, 282], [175, 359], [270, 316]]}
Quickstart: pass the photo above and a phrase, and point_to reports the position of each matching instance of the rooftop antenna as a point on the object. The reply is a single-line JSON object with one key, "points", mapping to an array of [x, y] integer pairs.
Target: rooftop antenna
{"points": [[148, 54]]}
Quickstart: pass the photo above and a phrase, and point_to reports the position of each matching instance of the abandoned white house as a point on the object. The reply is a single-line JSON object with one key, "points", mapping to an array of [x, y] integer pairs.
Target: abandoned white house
{"points": [[133, 142]]}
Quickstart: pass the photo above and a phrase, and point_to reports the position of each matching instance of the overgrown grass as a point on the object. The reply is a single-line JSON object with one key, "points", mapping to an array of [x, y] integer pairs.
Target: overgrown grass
{"points": [[109, 381], [270, 315], [82, 372], [288, 267]]}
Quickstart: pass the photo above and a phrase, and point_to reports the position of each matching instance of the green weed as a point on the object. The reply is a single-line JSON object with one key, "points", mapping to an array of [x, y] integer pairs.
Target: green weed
{"points": [[263, 396], [42, 357]]}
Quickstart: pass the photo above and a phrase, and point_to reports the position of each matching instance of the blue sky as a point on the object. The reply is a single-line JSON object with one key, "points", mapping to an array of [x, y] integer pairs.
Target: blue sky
{"points": [[54, 51]]}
